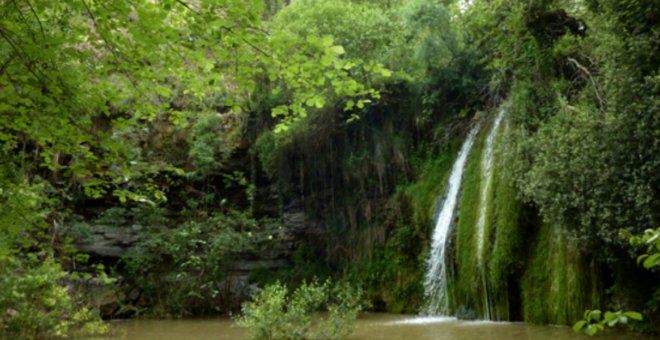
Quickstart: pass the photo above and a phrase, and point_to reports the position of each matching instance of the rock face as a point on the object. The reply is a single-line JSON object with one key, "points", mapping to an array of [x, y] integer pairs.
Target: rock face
{"points": [[270, 255], [108, 241], [298, 225]]}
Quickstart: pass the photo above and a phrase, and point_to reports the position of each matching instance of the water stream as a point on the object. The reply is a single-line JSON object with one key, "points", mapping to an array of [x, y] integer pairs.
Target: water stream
{"points": [[435, 283], [486, 180]]}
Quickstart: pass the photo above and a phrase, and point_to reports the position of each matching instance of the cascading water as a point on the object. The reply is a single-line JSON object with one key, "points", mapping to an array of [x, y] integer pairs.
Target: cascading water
{"points": [[435, 283], [486, 179]]}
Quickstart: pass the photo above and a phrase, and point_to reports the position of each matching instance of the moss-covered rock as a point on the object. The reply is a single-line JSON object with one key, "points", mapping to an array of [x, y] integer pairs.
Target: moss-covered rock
{"points": [[558, 283]]}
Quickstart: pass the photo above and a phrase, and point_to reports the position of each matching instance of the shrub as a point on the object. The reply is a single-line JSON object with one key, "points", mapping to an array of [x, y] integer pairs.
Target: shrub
{"points": [[275, 313], [184, 270], [594, 321], [34, 303]]}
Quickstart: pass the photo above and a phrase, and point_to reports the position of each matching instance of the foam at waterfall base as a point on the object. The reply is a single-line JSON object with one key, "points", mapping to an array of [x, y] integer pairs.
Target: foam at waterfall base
{"points": [[428, 320], [423, 320]]}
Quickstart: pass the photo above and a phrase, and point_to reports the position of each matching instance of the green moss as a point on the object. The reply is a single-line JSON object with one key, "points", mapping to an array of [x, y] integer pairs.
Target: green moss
{"points": [[392, 275], [424, 192], [552, 284], [505, 231], [402, 289], [466, 290], [558, 284]]}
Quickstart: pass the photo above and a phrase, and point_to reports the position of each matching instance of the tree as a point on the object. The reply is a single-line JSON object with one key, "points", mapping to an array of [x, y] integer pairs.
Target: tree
{"points": [[79, 78], [76, 75]]}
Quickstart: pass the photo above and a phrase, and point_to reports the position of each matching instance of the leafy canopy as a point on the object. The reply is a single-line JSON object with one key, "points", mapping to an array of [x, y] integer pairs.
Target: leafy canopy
{"points": [[67, 67]]}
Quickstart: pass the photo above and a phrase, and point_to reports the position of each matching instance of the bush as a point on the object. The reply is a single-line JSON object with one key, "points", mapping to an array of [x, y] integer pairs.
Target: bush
{"points": [[594, 321], [277, 314], [184, 270], [35, 304]]}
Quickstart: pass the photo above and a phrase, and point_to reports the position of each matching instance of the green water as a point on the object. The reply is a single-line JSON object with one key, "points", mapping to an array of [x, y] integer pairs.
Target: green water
{"points": [[368, 326]]}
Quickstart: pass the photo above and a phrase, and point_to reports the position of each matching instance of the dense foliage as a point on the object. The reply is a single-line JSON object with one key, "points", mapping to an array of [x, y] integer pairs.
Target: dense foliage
{"points": [[249, 141], [36, 305], [583, 153], [594, 321], [186, 271], [86, 86], [277, 313]]}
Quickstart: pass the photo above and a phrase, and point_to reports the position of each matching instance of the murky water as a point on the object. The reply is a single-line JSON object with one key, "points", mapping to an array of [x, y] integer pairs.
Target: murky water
{"points": [[369, 326]]}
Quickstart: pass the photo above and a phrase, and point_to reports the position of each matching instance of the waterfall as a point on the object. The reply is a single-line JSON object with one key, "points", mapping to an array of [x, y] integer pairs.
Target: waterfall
{"points": [[435, 283], [486, 179]]}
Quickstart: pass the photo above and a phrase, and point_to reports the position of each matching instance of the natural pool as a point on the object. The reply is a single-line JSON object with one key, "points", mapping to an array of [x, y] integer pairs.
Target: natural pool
{"points": [[368, 326]]}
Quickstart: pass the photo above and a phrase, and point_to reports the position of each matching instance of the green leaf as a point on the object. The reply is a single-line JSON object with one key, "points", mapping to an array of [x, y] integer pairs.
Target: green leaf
{"points": [[326, 61], [338, 50], [652, 261], [641, 258], [634, 315], [577, 327], [609, 316], [591, 330], [163, 91], [312, 39], [327, 41], [319, 102], [349, 65], [595, 315]]}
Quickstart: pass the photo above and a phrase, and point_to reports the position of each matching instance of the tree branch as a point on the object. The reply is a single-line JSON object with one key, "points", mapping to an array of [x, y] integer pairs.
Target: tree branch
{"points": [[108, 45], [187, 6], [256, 48], [41, 27], [27, 61], [6, 63], [601, 102]]}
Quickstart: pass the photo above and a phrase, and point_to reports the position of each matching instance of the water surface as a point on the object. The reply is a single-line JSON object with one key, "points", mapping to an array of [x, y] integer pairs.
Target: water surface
{"points": [[369, 326]]}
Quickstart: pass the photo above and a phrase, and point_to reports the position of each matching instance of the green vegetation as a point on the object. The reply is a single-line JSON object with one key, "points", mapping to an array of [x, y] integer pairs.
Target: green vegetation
{"points": [[199, 150], [594, 321], [559, 283], [392, 277], [651, 240], [37, 304], [276, 313], [467, 287], [187, 271], [506, 226]]}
